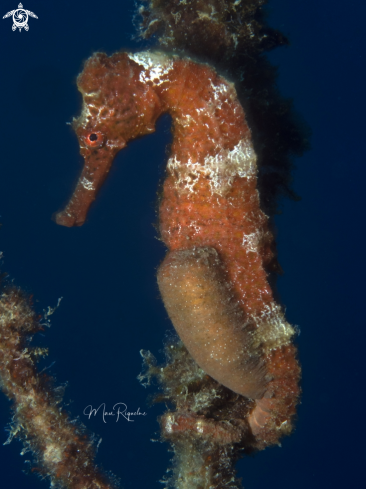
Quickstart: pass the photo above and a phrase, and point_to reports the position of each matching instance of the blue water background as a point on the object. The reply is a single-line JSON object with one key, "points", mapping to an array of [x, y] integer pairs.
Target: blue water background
{"points": [[105, 270]]}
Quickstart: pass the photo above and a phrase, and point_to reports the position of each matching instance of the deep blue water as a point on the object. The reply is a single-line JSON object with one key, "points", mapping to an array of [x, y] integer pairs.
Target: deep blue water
{"points": [[105, 270]]}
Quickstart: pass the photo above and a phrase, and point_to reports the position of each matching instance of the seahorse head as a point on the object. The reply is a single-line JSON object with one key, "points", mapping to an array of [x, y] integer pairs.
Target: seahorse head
{"points": [[118, 105]]}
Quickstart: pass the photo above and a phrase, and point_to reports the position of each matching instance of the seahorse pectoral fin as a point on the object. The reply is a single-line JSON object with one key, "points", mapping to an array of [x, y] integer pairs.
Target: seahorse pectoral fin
{"points": [[95, 170], [209, 320]]}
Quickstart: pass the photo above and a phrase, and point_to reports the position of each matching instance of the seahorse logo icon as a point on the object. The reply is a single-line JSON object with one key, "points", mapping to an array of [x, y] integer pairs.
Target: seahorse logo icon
{"points": [[20, 18]]}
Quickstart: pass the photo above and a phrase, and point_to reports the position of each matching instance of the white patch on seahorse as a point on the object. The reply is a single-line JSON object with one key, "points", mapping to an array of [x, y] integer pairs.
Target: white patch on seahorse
{"points": [[220, 169], [273, 331], [251, 241], [156, 66], [87, 184], [222, 88]]}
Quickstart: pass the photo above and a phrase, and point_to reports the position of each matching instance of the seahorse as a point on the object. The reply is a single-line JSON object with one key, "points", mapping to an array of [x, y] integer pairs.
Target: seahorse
{"points": [[213, 280]]}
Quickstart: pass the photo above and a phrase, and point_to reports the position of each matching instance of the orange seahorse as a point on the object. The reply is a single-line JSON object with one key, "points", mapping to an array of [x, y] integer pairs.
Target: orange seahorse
{"points": [[213, 280]]}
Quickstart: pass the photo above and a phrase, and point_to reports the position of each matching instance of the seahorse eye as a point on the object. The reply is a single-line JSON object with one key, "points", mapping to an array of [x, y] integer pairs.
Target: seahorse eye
{"points": [[94, 139]]}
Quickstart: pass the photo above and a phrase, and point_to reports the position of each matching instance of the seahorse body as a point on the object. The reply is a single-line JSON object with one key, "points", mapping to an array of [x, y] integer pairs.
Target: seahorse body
{"points": [[213, 280]]}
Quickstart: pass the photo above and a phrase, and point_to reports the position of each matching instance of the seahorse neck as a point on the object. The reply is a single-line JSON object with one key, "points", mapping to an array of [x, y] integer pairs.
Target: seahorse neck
{"points": [[207, 115], [210, 135]]}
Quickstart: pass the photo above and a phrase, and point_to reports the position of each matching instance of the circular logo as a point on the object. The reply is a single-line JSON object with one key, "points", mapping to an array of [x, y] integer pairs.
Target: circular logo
{"points": [[20, 18]]}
